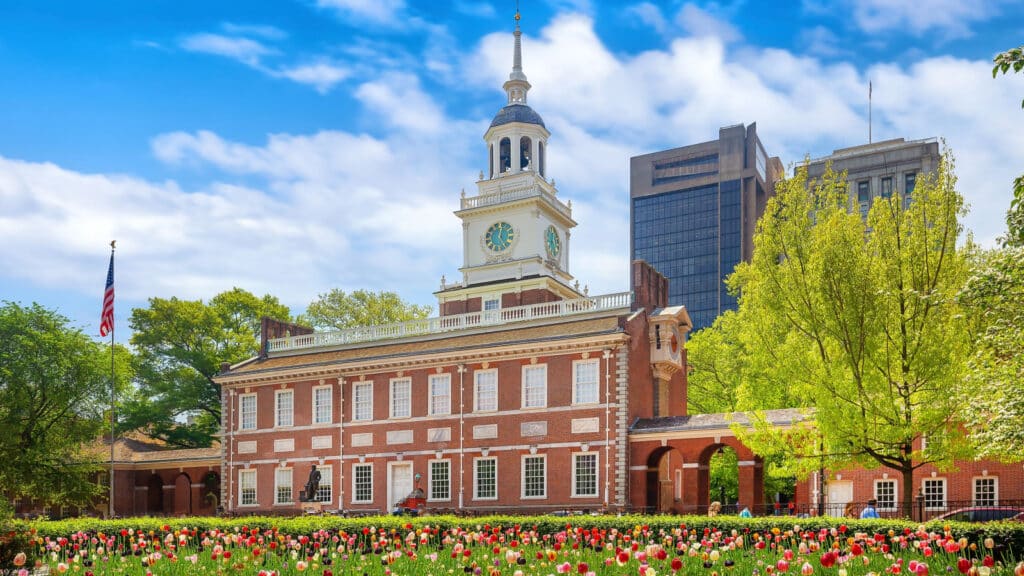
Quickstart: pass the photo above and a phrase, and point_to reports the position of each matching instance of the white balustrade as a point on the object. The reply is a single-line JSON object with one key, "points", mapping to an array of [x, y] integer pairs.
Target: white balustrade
{"points": [[442, 324]]}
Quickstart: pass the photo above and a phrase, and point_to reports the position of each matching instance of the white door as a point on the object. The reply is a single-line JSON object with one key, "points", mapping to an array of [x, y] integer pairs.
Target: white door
{"points": [[399, 481], [840, 493]]}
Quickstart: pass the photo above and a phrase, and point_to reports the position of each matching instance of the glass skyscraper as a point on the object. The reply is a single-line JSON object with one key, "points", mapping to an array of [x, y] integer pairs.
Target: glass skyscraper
{"points": [[693, 211]]}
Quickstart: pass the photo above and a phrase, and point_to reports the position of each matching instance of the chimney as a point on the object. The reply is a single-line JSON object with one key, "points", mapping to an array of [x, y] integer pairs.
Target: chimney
{"points": [[650, 288], [270, 329]]}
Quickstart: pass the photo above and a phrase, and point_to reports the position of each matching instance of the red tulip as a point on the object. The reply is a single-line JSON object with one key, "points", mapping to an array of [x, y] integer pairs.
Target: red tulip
{"points": [[963, 565], [828, 559]]}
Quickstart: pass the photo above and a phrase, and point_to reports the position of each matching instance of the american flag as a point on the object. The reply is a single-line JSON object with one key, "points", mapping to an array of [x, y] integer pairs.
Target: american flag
{"points": [[107, 316]]}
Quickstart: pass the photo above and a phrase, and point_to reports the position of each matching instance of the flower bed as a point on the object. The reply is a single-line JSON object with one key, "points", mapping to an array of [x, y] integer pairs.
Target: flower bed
{"points": [[518, 546]]}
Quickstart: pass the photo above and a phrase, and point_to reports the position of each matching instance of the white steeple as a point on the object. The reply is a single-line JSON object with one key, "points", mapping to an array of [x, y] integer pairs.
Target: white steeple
{"points": [[516, 231]]}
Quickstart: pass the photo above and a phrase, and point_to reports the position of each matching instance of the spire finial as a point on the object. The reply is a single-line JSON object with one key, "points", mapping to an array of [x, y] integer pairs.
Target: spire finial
{"points": [[517, 85]]}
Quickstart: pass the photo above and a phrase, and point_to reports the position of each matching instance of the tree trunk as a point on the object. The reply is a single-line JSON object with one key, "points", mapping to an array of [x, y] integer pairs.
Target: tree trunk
{"points": [[907, 500]]}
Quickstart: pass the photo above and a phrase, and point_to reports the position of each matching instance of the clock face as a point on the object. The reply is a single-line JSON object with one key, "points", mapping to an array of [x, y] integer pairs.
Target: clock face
{"points": [[499, 236], [675, 340], [551, 242]]}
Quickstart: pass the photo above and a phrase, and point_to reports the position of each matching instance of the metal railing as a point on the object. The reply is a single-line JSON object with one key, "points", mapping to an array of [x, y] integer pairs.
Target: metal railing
{"points": [[954, 510], [517, 193], [443, 324]]}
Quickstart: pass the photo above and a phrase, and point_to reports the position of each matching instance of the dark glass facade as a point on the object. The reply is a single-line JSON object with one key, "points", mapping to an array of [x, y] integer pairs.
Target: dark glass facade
{"points": [[693, 236]]}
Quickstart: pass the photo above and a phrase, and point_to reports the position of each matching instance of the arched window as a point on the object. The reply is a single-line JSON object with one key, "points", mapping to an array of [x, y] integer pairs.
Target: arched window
{"points": [[540, 161], [505, 155], [490, 161], [525, 151]]}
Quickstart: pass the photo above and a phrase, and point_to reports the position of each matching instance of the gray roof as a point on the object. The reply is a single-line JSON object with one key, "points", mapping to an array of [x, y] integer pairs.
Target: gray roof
{"points": [[517, 113], [717, 421]]}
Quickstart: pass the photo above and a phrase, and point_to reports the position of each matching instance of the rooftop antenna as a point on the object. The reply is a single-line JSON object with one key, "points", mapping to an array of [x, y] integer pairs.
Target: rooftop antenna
{"points": [[869, 112]]}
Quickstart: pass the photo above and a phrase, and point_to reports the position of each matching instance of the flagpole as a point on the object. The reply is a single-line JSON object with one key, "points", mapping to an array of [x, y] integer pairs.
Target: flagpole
{"points": [[869, 112], [113, 400]]}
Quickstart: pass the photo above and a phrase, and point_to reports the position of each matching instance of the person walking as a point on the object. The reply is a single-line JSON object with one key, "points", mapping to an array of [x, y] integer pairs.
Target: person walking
{"points": [[869, 511]]}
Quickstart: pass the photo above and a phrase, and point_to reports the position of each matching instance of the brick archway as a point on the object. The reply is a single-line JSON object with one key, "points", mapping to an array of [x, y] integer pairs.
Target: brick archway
{"points": [[693, 471], [663, 486], [182, 495]]}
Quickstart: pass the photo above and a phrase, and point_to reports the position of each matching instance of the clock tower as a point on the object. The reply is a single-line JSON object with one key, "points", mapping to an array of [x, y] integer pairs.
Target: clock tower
{"points": [[515, 231]]}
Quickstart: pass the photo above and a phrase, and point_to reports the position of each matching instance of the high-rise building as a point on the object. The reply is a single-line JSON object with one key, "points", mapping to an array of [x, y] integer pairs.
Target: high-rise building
{"points": [[880, 169], [693, 211]]}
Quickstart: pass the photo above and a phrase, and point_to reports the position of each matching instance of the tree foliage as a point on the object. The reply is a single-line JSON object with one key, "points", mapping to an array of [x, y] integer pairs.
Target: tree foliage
{"points": [[857, 319], [994, 396], [180, 345], [337, 310], [54, 396]]}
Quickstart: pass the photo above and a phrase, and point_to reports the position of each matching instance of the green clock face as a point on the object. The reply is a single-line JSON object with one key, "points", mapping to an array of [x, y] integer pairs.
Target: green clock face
{"points": [[499, 236], [552, 242]]}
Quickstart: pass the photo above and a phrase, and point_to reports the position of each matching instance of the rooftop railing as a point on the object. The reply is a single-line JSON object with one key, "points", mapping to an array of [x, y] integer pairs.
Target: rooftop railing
{"points": [[453, 323], [517, 193]]}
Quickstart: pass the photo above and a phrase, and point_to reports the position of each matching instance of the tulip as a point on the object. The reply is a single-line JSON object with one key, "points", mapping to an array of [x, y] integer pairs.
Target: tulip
{"points": [[963, 565], [1019, 570], [806, 569], [782, 566], [19, 559]]}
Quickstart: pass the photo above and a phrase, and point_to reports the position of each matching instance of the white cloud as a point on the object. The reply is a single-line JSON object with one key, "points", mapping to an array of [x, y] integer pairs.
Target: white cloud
{"points": [[477, 9], [397, 99], [244, 50], [949, 18], [321, 75], [260, 30], [380, 11], [649, 15], [697, 21]]}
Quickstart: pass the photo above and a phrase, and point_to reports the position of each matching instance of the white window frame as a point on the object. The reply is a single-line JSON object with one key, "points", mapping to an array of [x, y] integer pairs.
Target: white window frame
{"points": [[995, 490], [945, 493], [476, 478], [278, 413], [476, 390], [355, 483], [895, 492], [247, 473], [329, 405], [431, 480], [396, 383], [326, 486], [538, 368], [576, 382], [544, 480], [597, 474], [241, 411], [446, 408], [484, 301], [356, 387], [279, 485]]}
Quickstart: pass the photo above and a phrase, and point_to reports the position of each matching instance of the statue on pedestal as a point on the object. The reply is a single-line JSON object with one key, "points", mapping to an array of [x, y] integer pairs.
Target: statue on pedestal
{"points": [[312, 485]]}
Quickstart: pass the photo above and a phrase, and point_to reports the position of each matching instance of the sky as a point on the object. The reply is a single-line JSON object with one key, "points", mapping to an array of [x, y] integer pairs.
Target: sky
{"points": [[296, 146]]}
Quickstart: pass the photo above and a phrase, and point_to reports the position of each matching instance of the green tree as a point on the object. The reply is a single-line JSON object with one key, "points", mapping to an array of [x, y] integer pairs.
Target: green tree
{"points": [[54, 397], [860, 320], [180, 345], [994, 295], [337, 310]]}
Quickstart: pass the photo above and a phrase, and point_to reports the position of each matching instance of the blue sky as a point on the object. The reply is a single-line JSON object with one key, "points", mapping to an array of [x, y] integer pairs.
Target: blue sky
{"points": [[295, 146]]}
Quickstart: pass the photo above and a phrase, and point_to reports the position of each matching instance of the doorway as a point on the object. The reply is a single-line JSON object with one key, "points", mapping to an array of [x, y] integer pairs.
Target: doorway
{"points": [[399, 482]]}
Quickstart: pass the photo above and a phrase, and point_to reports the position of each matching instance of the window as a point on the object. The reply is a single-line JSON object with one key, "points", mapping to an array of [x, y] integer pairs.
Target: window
{"points": [[247, 408], [886, 187], [283, 415], [283, 486], [485, 479], [246, 487], [440, 394], [400, 399], [864, 197], [584, 385], [935, 494], [885, 494], [535, 386], [325, 491], [986, 491], [485, 394], [440, 480], [362, 401], [584, 474], [535, 481], [909, 181], [362, 483], [323, 405]]}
